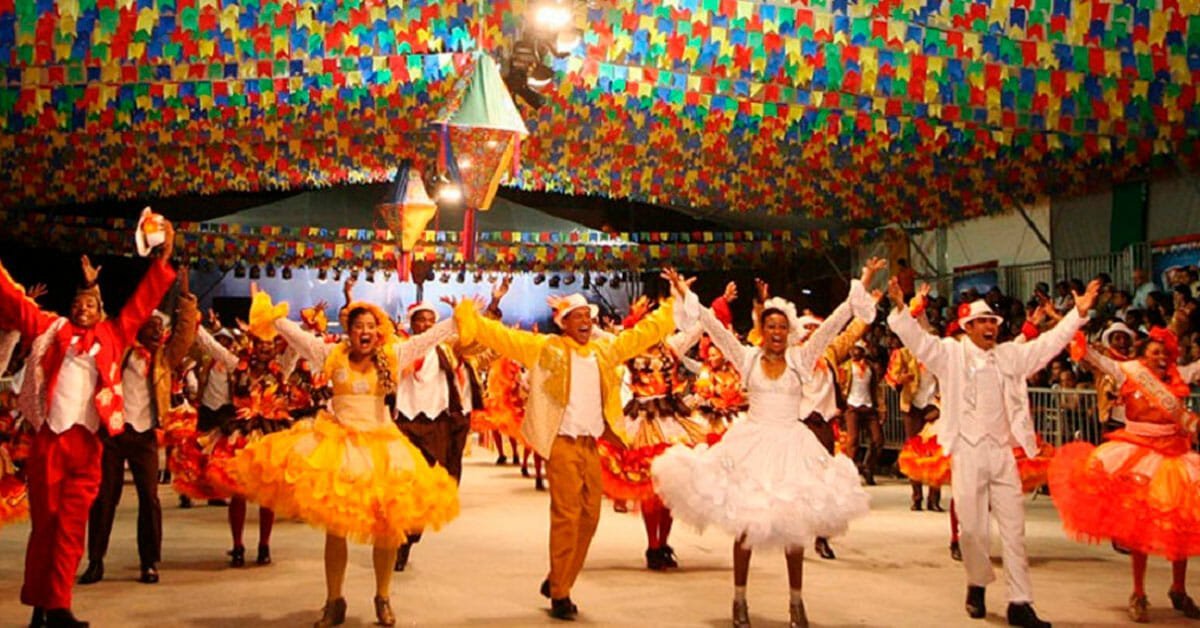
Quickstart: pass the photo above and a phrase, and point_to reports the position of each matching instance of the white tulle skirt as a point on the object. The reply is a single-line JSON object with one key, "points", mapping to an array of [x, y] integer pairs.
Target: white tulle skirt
{"points": [[771, 482]]}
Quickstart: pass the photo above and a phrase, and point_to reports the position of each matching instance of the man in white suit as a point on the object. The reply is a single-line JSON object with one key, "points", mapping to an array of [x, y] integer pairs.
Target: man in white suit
{"points": [[985, 413]]}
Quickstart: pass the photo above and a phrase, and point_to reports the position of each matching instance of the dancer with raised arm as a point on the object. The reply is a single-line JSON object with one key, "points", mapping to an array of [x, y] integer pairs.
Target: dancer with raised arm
{"points": [[574, 399], [351, 471], [769, 481], [1139, 489], [72, 389], [985, 408]]}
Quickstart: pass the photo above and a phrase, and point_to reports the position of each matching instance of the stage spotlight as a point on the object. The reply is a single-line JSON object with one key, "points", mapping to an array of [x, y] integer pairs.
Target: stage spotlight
{"points": [[323, 274], [287, 272], [462, 276], [555, 281], [449, 193], [271, 270], [477, 276], [239, 271], [445, 278], [337, 274], [615, 282], [569, 279], [551, 16], [587, 281], [539, 278], [370, 276], [601, 280]]}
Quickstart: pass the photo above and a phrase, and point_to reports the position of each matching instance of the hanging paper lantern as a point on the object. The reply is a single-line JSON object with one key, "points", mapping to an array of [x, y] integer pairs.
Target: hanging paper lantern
{"points": [[478, 142], [406, 213]]}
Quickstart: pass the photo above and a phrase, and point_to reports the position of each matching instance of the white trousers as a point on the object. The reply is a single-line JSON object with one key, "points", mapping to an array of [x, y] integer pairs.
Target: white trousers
{"points": [[985, 478]]}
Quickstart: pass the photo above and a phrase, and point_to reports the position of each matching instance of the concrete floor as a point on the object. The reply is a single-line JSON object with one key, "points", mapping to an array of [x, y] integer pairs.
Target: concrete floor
{"points": [[893, 569]]}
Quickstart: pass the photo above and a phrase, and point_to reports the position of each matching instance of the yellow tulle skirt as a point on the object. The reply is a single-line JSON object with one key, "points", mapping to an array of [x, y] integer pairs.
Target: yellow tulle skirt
{"points": [[371, 486]]}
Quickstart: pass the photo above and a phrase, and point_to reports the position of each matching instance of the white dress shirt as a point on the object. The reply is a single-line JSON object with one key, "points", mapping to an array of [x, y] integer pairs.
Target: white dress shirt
{"points": [[136, 385], [926, 389], [74, 399], [820, 395], [584, 414], [860, 386], [423, 390]]}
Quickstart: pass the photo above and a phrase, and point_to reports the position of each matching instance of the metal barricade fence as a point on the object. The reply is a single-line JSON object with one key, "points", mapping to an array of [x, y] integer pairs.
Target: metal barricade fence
{"points": [[1060, 416]]}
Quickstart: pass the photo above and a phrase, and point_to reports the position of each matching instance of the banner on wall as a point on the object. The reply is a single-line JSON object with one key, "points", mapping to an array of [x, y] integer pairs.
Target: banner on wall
{"points": [[977, 277], [1171, 256]]}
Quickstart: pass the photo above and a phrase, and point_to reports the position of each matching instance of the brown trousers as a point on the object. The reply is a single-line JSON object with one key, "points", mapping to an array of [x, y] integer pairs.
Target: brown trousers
{"points": [[823, 430], [141, 451], [573, 472]]}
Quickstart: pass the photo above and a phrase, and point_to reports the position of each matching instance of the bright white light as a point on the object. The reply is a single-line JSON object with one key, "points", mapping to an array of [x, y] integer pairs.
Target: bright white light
{"points": [[805, 291], [450, 193], [464, 163], [552, 16]]}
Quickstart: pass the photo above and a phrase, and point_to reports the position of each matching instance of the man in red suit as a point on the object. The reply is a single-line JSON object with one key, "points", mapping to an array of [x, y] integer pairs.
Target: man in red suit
{"points": [[72, 387]]}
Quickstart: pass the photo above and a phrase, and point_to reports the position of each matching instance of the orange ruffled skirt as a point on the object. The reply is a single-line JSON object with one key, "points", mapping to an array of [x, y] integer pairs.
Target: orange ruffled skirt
{"points": [[923, 460], [371, 486], [14, 500], [656, 424], [187, 461], [1142, 492]]}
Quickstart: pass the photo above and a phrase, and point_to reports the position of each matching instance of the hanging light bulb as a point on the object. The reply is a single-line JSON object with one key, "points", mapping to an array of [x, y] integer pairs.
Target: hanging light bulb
{"points": [[551, 15]]}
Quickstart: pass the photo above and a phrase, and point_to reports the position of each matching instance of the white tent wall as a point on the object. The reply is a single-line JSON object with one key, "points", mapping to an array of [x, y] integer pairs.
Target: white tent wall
{"points": [[1005, 238], [1174, 208], [1081, 225]]}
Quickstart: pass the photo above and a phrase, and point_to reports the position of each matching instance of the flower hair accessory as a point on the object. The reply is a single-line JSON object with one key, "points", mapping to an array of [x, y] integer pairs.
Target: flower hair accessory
{"points": [[796, 332], [1168, 339]]}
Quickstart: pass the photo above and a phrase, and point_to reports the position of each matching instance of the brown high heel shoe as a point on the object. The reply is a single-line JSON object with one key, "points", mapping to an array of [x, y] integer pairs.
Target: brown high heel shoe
{"points": [[383, 611], [332, 614], [1139, 610]]}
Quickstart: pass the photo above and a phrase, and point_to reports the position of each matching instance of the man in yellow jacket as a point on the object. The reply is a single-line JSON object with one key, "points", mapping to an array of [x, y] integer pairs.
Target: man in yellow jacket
{"points": [[574, 399]]}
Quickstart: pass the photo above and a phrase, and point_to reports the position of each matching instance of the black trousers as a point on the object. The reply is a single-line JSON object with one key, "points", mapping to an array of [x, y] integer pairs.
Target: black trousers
{"points": [[208, 419], [141, 451]]}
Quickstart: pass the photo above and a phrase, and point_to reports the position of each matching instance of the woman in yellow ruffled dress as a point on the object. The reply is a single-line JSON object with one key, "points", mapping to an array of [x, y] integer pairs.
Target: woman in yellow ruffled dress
{"points": [[349, 470]]}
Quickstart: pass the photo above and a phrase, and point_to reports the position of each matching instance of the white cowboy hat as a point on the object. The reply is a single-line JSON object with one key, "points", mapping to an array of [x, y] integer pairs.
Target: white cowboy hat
{"points": [[149, 233], [421, 306], [1116, 328], [565, 305], [979, 309]]}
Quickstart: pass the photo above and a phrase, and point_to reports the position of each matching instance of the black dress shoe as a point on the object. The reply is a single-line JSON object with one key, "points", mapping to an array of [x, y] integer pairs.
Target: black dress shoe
{"points": [[63, 618], [264, 555], [668, 556], [524, 471], [916, 505], [564, 609], [217, 502], [93, 574], [1022, 615], [1183, 603], [501, 460], [402, 557], [185, 501], [38, 619], [976, 605], [237, 556], [545, 590], [539, 485], [933, 506], [955, 551], [823, 549], [149, 575]]}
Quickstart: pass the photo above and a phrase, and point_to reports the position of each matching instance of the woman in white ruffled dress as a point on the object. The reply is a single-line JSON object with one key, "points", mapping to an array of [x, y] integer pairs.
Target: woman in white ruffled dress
{"points": [[769, 481]]}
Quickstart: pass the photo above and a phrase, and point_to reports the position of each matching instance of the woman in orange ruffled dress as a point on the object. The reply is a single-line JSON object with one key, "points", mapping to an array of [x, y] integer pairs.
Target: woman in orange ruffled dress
{"points": [[656, 417], [14, 448], [349, 470], [260, 397], [1141, 489], [718, 387]]}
